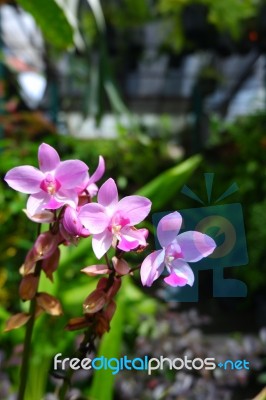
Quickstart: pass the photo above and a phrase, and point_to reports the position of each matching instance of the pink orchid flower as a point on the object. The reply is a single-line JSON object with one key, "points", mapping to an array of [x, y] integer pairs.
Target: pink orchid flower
{"points": [[112, 219], [51, 186], [177, 251], [88, 184]]}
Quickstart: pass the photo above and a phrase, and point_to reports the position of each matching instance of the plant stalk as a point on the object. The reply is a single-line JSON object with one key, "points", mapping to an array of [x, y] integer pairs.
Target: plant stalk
{"points": [[28, 336]]}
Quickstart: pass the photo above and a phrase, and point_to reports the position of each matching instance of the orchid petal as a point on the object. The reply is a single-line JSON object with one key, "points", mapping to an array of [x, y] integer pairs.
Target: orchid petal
{"points": [[98, 173], [101, 243], [83, 185], [93, 217], [108, 195], [36, 202], [25, 179], [195, 245], [53, 204], [132, 238], [126, 244], [183, 271], [69, 197], [152, 267], [136, 208], [41, 217], [70, 174], [168, 228], [48, 158]]}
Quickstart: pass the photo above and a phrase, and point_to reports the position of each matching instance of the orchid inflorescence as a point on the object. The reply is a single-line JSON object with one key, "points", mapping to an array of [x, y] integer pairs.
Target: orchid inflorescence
{"points": [[61, 194]]}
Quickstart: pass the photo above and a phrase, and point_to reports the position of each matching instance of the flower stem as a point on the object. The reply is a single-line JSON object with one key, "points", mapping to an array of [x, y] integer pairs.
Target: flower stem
{"points": [[26, 352], [109, 264], [28, 336]]}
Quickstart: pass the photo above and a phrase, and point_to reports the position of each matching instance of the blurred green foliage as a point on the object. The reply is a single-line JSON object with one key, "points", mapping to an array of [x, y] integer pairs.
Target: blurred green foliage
{"points": [[237, 153], [52, 20], [226, 16]]}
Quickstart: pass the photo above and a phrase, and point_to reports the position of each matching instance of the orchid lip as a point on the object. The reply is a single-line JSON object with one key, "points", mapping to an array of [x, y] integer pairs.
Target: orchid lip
{"points": [[168, 260], [50, 185], [116, 229]]}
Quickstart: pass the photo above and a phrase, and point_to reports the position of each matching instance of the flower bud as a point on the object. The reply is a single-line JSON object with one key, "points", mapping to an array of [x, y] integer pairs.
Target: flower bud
{"points": [[28, 287], [16, 321], [77, 323], [50, 264], [29, 263], [102, 284], [94, 302], [102, 324], [114, 288], [121, 266], [49, 303], [94, 270], [45, 245], [110, 310]]}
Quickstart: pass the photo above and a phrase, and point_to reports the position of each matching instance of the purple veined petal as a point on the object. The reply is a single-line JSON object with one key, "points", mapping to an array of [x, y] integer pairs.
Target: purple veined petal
{"points": [[71, 173], [69, 197], [152, 267], [93, 217], [132, 238], [101, 243], [168, 228], [98, 173], [108, 195], [71, 222], [36, 202], [183, 272], [48, 158], [195, 245], [25, 179], [136, 208]]}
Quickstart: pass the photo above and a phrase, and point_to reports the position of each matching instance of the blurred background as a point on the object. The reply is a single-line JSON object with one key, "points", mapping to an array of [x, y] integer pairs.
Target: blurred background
{"points": [[165, 91]]}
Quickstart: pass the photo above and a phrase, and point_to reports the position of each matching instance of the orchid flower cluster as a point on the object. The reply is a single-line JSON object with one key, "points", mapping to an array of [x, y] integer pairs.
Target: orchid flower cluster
{"points": [[61, 194]]}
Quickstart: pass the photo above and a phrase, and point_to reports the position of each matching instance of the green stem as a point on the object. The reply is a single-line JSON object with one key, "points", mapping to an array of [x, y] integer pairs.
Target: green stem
{"points": [[27, 341], [109, 264], [26, 351]]}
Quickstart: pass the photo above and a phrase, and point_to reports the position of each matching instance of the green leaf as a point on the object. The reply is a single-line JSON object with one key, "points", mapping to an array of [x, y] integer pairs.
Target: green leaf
{"points": [[52, 21], [98, 14], [165, 186], [38, 376]]}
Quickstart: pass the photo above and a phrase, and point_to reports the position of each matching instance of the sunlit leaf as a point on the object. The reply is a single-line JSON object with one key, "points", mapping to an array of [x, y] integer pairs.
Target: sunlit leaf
{"points": [[51, 20], [167, 185]]}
